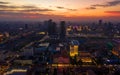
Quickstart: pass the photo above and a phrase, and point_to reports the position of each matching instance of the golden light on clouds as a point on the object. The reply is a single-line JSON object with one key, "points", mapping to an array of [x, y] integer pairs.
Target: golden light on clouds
{"points": [[60, 8]]}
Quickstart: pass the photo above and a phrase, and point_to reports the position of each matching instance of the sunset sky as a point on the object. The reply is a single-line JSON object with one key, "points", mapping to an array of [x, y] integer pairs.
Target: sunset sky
{"points": [[59, 9]]}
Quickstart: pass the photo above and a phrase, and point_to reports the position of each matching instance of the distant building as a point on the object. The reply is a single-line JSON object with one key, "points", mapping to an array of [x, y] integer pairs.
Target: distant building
{"points": [[7, 34], [5, 54], [1, 37], [51, 27], [85, 57], [74, 46], [28, 52], [100, 27], [24, 61], [90, 72], [109, 29], [26, 26], [62, 29], [41, 48], [116, 49], [16, 72], [44, 26], [100, 22]]}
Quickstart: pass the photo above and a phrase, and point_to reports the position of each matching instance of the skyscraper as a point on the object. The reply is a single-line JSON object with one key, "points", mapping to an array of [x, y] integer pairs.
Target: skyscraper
{"points": [[74, 48], [100, 22], [26, 26], [51, 27], [62, 29]]}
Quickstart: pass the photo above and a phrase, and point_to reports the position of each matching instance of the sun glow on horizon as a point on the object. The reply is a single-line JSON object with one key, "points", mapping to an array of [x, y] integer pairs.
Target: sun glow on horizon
{"points": [[59, 8]]}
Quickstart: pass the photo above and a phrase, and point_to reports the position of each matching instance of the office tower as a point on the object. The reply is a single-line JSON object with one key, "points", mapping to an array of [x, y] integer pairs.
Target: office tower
{"points": [[49, 22], [100, 25], [51, 27], [109, 30], [62, 29], [74, 46], [100, 22], [26, 26], [116, 49]]}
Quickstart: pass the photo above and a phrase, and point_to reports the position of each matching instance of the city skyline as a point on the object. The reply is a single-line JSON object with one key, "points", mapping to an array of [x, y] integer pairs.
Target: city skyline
{"points": [[73, 10]]}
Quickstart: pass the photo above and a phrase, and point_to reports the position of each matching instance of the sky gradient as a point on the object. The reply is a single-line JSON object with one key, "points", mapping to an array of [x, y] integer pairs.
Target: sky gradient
{"points": [[74, 10]]}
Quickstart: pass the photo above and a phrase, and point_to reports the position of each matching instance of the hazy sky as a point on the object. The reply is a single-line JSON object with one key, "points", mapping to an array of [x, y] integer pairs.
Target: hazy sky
{"points": [[59, 9]]}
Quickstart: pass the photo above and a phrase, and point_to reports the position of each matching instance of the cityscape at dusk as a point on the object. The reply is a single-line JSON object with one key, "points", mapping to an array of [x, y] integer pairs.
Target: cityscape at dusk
{"points": [[59, 37]]}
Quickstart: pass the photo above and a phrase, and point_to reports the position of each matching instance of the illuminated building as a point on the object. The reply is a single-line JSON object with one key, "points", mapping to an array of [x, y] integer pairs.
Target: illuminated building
{"points": [[68, 29], [86, 60], [41, 33], [74, 48], [1, 37], [7, 34], [79, 28], [116, 49], [16, 71], [85, 57]]}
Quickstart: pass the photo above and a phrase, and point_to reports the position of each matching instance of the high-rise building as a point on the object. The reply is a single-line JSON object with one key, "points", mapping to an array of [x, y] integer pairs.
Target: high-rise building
{"points": [[100, 27], [109, 30], [100, 22], [26, 26], [45, 25], [62, 29], [116, 49], [51, 27], [74, 48]]}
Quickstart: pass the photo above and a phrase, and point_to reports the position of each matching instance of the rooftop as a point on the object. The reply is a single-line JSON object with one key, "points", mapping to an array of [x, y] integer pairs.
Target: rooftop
{"points": [[75, 42]]}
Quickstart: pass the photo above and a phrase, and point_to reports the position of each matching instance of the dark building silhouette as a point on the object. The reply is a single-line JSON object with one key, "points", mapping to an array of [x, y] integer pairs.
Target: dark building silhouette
{"points": [[100, 22], [44, 26], [62, 29], [26, 26], [51, 27], [100, 27], [109, 30]]}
